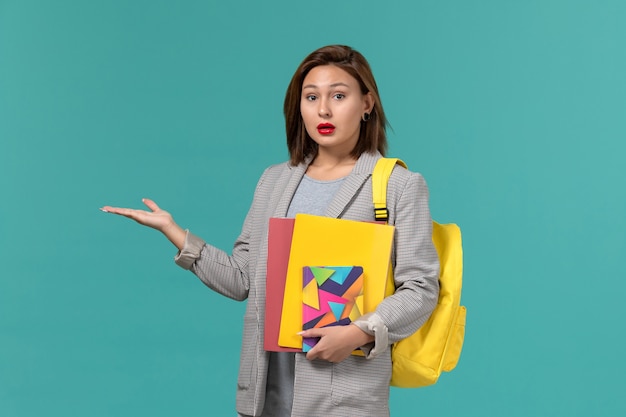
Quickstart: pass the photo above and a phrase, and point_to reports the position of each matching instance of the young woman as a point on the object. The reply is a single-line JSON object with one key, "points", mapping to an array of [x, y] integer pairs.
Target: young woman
{"points": [[335, 134]]}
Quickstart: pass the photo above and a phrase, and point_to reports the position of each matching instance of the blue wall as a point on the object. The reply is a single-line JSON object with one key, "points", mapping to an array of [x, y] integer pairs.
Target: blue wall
{"points": [[513, 111]]}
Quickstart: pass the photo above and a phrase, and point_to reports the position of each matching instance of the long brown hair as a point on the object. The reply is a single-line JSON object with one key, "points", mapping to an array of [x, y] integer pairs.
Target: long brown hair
{"points": [[373, 135]]}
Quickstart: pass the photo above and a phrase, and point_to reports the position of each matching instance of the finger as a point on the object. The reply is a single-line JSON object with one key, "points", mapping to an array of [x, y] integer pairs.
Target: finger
{"points": [[126, 212], [151, 204], [312, 333], [311, 355], [317, 353], [114, 210]]}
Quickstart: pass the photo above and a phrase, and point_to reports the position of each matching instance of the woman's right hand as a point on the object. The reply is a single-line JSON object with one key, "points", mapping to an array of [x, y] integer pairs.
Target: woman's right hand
{"points": [[157, 219]]}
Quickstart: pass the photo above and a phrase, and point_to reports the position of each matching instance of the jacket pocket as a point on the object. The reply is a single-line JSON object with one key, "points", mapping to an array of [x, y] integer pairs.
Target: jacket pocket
{"points": [[362, 384], [248, 353]]}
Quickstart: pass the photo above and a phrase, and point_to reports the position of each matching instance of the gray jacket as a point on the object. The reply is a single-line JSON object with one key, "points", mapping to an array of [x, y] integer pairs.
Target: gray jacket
{"points": [[357, 386]]}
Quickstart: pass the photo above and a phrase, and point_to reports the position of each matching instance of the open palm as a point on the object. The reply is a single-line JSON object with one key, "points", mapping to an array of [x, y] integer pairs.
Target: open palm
{"points": [[156, 218]]}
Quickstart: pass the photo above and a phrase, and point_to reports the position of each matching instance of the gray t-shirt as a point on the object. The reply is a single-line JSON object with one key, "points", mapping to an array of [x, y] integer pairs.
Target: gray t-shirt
{"points": [[311, 197]]}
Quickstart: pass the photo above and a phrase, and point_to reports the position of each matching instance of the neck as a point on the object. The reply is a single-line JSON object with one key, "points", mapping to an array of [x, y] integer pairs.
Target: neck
{"points": [[327, 166]]}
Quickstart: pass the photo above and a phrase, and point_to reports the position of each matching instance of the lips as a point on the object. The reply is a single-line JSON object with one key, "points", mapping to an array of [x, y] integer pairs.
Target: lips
{"points": [[325, 128]]}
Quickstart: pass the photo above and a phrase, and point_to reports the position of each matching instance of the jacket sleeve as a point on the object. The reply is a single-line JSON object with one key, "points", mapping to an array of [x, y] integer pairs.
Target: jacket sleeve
{"points": [[416, 269], [223, 273]]}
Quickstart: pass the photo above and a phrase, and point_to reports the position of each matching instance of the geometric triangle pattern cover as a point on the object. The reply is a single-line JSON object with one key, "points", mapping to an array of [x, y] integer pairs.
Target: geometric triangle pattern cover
{"points": [[331, 296]]}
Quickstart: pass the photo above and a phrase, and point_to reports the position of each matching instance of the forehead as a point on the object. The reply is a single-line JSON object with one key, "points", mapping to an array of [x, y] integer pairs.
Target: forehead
{"points": [[327, 76]]}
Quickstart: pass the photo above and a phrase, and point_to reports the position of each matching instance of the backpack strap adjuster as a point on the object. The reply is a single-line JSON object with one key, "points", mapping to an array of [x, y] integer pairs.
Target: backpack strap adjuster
{"points": [[381, 214]]}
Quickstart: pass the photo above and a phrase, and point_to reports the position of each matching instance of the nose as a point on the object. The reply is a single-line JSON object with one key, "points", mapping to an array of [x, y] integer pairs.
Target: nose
{"points": [[323, 110]]}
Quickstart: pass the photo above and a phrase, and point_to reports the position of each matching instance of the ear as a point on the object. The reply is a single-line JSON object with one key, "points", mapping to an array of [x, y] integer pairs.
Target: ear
{"points": [[368, 102]]}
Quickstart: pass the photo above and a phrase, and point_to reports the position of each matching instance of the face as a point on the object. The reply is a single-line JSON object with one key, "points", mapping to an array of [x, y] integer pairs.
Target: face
{"points": [[332, 106]]}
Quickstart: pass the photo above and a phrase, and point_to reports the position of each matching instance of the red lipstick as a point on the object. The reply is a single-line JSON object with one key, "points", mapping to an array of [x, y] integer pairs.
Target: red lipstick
{"points": [[325, 128]]}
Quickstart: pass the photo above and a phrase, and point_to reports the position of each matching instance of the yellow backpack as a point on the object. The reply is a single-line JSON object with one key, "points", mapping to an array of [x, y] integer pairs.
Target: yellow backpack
{"points": [[419, 359]]}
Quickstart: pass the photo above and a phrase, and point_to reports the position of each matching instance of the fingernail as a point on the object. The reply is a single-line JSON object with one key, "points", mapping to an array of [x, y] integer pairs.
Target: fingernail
{"points": [[106, 211], [300, 333]]}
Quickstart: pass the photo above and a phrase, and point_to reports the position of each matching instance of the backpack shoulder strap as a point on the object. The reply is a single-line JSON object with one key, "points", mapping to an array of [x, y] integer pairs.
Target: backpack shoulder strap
{"points": [[380, 178]]}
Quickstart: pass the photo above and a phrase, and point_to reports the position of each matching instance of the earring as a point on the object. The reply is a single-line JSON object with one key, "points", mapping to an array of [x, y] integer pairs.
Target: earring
{"points": [[366, 116]]}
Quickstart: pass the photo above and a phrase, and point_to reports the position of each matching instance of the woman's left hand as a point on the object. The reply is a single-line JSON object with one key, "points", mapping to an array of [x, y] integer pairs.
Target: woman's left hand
{"points": [[336, 342]]}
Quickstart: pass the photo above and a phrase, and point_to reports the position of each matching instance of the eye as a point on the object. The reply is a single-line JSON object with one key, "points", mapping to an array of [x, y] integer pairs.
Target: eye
{"points": [[310, 97], [339, 96]]}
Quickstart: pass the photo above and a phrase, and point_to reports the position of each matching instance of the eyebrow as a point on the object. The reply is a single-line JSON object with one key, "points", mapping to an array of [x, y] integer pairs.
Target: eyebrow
{"points": [[332, 85]]}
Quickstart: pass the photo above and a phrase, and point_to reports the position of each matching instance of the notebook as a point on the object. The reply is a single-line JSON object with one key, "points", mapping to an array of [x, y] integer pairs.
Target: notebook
{"points": [[331, 296]]}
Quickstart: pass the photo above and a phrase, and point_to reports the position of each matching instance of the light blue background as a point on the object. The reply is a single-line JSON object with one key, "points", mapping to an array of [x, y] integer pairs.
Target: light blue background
{"points": [[513, 111]]}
